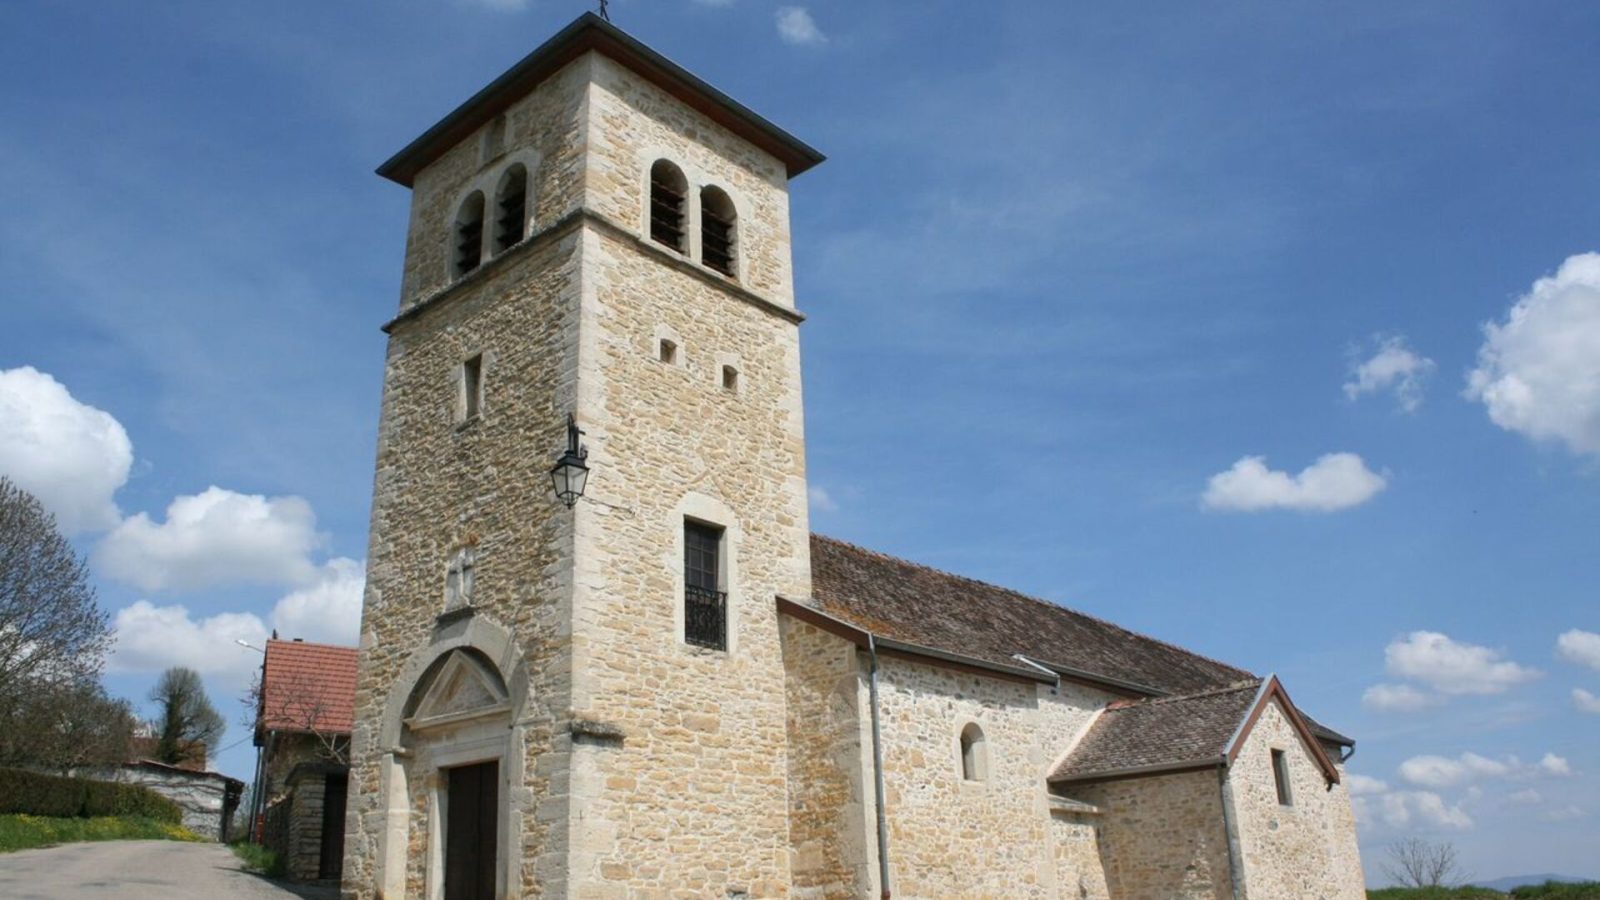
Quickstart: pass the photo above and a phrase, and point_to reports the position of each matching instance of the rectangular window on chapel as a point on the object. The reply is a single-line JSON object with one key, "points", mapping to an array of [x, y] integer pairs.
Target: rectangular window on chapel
{"points": [[705, 604], [1280, 775]]}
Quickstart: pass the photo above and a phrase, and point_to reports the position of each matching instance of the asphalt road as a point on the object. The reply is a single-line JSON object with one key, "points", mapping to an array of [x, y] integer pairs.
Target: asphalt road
{"points": [[139, 870]]}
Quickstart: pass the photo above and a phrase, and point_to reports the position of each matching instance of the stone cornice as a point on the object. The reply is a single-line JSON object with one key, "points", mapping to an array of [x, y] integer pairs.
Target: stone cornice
{"points": [[566, 225]]}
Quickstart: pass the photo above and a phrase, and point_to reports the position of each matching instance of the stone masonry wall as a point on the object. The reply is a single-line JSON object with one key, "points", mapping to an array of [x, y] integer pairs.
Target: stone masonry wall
{"points": [[303, 852], [828, 830], [692, 801], [983, 840], [443, 484], [1306, 849], [1162, 837]]}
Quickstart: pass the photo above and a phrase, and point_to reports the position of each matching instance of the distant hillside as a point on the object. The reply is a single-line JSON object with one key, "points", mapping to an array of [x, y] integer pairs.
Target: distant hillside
{"points": [[1515, 881]]}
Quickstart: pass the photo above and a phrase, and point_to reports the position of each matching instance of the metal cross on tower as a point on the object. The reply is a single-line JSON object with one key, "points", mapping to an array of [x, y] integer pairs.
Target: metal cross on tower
{"points": [[603, 14]]}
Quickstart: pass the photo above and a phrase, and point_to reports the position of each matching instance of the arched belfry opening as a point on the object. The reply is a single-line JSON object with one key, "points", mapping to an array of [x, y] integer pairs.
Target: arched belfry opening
{"points": [[718, 230], [669, 192]]}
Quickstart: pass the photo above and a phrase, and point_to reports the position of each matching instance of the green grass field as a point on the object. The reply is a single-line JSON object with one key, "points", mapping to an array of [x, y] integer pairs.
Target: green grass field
{"points": [[20, 832]]}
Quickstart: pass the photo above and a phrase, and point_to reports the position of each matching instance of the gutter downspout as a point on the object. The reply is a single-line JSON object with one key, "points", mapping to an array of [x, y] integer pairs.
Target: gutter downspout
{"points": [[1229, 820], [877, 772]]}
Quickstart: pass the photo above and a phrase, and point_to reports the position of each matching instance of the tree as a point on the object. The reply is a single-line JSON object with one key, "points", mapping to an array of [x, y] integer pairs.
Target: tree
{"points": [[51, 628], [1416, 863], [65, 725], [296, 705], [53, 642], [187, 727]]}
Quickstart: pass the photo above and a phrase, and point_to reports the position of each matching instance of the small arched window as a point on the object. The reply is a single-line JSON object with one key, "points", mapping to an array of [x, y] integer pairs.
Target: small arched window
{"points": [[469, 235], [668, 193], [717, 230], [511, 209], [974, 754]]}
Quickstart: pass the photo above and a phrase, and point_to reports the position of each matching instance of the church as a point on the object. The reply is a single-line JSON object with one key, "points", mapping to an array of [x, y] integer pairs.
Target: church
{"points": [[602, 655]]}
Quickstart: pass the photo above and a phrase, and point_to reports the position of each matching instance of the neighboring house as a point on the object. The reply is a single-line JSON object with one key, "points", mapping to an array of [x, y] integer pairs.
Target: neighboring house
{"points": [[303, 734], [208, 799], [671, 688]]}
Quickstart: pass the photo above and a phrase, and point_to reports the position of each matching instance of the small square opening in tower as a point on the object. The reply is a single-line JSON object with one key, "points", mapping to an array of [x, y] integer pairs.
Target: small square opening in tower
{"points": [[730, 378], [668, 351], [471, 387]]}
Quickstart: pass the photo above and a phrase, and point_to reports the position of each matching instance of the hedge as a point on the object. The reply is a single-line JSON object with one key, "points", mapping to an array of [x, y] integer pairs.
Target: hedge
{"points": [[36, 794]]}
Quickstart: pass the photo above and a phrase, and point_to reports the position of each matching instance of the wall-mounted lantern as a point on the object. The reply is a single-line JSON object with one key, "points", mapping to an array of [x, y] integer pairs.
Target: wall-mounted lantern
{"points": [[570, 473]]}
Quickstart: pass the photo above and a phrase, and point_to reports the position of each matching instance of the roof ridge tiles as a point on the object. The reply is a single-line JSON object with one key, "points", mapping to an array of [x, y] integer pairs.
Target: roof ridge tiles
{"points": [[1248, 684], [1038, 600]]}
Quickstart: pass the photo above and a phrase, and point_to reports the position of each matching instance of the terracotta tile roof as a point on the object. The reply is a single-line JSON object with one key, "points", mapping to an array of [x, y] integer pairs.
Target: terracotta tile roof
{"points": [[308, 687], [904, 601], [1160, 732]]}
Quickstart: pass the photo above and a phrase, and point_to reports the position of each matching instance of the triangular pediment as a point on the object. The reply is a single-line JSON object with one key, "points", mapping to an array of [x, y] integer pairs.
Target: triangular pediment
{"points": [[464, 689]]}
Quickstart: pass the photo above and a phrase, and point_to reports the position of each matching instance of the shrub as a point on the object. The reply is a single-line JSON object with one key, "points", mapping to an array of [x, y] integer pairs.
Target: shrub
{"points": [[35, 794]]}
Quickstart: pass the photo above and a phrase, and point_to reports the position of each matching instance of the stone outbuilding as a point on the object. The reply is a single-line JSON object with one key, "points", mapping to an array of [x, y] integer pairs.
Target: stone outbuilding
{"points": [[303, 718], [636, 674]]}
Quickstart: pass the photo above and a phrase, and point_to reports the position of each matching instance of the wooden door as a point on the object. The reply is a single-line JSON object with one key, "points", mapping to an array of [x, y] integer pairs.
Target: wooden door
{"points": [[334, 791], [470, 840]]}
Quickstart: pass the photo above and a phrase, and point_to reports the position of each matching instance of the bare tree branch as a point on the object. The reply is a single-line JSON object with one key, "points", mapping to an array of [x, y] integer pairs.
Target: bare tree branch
{"points": [[1417, 863]]}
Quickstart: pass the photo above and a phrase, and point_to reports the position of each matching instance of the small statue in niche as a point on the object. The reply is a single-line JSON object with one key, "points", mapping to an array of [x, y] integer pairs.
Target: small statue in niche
{"points": [[458, 580]]}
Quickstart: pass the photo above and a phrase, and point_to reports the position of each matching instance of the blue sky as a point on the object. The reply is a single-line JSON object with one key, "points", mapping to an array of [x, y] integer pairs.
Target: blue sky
{"points": [[1170, 312]]}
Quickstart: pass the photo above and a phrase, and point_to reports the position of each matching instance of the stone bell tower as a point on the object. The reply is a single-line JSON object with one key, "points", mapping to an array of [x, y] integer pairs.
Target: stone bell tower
{"points": [[584, 702]]}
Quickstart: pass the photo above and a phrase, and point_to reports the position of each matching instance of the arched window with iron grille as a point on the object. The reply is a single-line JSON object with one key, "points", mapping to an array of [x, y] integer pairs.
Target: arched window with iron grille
{"points": [[511, 209], [718, 230], [468, 243], [669, 192]]}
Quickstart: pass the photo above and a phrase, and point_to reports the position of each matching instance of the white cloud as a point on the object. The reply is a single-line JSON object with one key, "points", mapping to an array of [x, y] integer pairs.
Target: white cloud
{"points": [[1580, 647], [327, 611], [1453, 667], [1585, 701], [1552, 764], [1335, 481], [150, 638], [1563, 814], [503, 5], [1526, 796], [70, 455], [1441, 771], [1393, 366], [714, 2], [1400, 808], [796, 26], [1363, 785], [1396, 698], [1538, 371], [821, 499], [215, 537]]}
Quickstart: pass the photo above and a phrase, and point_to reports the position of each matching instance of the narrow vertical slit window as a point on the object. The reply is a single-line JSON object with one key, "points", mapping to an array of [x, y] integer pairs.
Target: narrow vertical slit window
{"points": [[705, 603], [718, 231], [669, 192], [511, 209], [472, 388], [468, 244], [667, 352], [730, 379], [1280, 775]]}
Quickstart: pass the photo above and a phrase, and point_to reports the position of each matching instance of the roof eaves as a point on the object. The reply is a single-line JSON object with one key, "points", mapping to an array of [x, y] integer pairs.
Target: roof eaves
{"points": [[585, 33], [859, 636], [1190, 765]]}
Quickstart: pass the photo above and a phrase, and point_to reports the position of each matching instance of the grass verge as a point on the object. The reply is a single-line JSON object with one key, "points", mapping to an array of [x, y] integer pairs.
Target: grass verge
{"points": [[21, 832], [259, 859]]}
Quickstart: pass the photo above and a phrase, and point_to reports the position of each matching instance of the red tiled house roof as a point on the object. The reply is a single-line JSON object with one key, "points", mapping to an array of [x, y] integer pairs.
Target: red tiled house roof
{"points": [[307, 687]]}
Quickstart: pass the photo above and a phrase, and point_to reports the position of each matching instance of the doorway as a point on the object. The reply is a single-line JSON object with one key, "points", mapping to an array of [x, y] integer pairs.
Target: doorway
{"points": [[472, 804], [335, 790]]}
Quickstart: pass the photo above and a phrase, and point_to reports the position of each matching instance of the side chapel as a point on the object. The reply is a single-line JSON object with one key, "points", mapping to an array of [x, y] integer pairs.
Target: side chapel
{"points": [[670, 688]]}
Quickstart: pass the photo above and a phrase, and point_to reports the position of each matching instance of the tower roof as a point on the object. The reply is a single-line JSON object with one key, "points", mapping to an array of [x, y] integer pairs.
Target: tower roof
{"points": [[590, 32]]}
